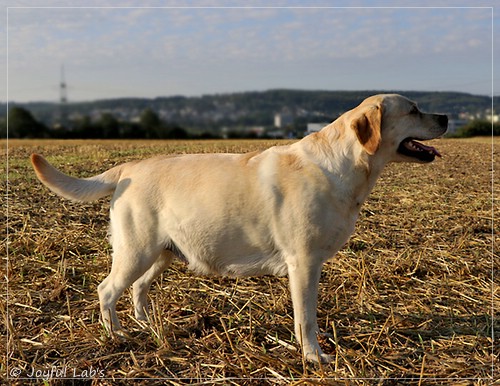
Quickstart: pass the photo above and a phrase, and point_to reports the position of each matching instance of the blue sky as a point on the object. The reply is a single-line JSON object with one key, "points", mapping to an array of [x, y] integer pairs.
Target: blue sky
{"points": [[148, 52]]}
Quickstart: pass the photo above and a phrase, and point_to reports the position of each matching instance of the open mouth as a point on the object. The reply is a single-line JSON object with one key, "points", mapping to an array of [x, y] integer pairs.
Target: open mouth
{"points": [[411, 148]]}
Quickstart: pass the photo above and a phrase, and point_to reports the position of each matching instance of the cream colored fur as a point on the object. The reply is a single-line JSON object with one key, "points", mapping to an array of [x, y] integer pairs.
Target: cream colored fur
{"points": [[282, 211]]}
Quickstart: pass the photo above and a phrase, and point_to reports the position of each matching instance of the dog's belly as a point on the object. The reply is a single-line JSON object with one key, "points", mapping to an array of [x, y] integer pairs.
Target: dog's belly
{"points": [[233, 254], [236, 254], [251, 265], [252, 248]]}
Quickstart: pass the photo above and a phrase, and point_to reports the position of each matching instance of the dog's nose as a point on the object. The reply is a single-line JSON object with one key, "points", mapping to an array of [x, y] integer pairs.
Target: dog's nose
{"points": [[443, 120]]}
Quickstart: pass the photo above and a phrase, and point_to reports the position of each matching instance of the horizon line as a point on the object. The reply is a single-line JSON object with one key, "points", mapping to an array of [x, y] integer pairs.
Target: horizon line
{"points": [[383, 91]]}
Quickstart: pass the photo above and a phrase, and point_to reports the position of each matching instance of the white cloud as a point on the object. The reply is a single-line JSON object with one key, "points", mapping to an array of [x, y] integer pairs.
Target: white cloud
{"points": [[283, 47]]}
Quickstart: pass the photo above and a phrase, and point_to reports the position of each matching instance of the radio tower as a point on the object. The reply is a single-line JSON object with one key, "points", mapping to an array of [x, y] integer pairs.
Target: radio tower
{"points": [[63, 99], [63, 92]]}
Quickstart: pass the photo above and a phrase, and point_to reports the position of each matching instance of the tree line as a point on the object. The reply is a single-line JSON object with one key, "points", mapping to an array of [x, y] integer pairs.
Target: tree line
{"points": [[478, 128], [22, 124]]}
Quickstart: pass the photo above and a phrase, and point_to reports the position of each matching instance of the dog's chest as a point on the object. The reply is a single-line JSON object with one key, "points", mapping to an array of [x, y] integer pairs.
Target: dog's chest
{"points": [[338, 234]]}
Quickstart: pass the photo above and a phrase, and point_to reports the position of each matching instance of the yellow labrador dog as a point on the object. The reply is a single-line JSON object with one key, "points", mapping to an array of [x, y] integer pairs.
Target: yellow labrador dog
{"points": [[282, 211]]}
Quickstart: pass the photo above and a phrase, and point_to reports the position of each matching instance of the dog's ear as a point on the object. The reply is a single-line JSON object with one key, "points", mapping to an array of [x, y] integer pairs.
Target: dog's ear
{"points": [[367, 128]]}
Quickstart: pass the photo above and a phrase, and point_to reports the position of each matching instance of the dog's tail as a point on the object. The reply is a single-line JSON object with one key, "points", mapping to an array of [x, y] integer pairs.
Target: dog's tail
{"points": [[76, 189]]}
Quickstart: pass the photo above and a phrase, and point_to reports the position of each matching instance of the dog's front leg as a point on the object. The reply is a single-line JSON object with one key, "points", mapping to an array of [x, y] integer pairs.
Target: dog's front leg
{"points": [[304, 282]]}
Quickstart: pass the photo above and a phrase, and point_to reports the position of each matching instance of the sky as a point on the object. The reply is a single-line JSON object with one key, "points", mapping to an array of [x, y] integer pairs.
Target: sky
{"points": [[112, 49]]}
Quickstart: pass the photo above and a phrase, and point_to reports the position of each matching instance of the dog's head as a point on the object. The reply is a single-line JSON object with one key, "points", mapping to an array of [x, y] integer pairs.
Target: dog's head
{"points": [[390, 125]]}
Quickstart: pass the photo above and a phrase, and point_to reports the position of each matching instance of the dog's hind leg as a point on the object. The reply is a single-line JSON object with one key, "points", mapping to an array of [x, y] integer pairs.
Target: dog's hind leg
{"points": [[129, 264], [141, 286]]}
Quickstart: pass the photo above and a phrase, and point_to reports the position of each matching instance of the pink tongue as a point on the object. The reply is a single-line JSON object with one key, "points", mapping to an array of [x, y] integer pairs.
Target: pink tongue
{"points": [[429, 149]]}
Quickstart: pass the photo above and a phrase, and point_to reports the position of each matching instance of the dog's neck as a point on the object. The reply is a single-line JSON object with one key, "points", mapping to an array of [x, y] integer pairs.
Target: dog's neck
{"points": [[345, 166]]}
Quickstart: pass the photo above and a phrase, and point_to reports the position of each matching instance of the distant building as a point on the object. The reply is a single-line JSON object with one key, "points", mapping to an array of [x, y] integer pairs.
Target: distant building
{"points": [[315, 127], [276, 134], [455, 124], [258, 131], [283, 119]]}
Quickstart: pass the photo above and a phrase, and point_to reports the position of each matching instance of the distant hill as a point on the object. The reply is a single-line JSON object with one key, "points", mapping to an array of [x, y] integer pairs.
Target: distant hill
{"points": [[210, 112]]}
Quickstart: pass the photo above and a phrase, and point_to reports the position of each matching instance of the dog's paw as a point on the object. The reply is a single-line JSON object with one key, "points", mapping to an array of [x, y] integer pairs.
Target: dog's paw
{"points": [[121, 335], [319, 357]]}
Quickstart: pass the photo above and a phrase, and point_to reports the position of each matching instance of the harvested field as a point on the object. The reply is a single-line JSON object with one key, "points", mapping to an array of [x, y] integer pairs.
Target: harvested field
{"points": [[412, 299]]}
